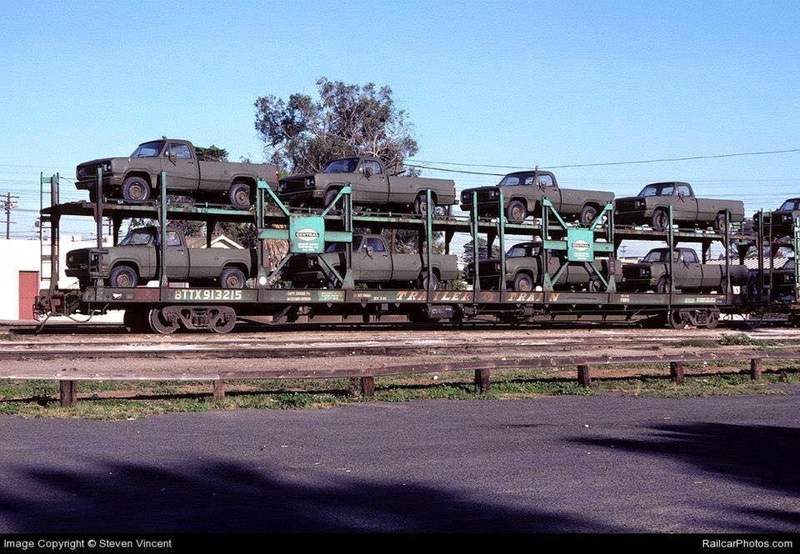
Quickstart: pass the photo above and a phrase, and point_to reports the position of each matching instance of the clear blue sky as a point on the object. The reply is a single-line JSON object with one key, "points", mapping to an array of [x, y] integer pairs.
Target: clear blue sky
{"points": [[484, 82]]}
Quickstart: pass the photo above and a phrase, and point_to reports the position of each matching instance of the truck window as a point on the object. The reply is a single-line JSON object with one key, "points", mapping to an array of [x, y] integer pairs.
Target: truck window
{"points": [[373, 167], [656, 256], [148, 149], [790, 205], [173, 239], [667, 190], [684, 190], [519, 251], [689, 256], [545, 180], [510, 181], [376, 245], [180, 151]]}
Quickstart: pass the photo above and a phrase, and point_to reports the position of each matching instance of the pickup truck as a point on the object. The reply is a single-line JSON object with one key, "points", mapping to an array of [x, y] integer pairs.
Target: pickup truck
{"points": [[522, 195], [523, 271], [782, 219], [136, 261], [651, 205], [652, 273], [371, 183], [373, 264], [136, 178]]}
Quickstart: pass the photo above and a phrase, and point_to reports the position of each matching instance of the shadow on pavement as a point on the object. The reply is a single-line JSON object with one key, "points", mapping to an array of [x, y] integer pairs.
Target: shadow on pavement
{"points": [[229, 497]]}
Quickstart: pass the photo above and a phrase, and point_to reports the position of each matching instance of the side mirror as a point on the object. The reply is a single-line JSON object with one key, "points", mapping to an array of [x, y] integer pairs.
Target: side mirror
{"points": [[370, 251], [367, 173]]}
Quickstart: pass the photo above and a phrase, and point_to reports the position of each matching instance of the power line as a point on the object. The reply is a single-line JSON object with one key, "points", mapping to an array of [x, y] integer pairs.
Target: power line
{"points": [[597, 164]]}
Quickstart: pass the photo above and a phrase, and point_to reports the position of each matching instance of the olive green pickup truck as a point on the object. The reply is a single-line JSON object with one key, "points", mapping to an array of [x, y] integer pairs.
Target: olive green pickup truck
{"points": [[136, 261], [524, 271], [522, 196], [373, 263], [651, 206], [371, 183], [136, 178], [652, 273], [780, 220]]}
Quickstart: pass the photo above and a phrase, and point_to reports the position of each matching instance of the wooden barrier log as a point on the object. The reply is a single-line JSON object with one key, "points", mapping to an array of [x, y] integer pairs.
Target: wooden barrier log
{"points": [[68, 393], [362, 386], [219, 389], [756, 368], [584, 376], [676, 372], [482, 380]]}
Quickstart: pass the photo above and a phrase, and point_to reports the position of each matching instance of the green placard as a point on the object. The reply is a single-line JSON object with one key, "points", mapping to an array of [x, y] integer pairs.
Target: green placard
{"points": [[307, 234], [580, 245]]}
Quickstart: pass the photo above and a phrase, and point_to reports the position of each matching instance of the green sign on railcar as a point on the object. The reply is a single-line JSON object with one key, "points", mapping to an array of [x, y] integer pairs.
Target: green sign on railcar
{"points": [[580, 245], [307, 234]]}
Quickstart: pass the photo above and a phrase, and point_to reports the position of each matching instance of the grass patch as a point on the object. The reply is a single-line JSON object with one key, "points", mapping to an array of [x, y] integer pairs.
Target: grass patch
{"points": [[738, 340], [136, 399]]}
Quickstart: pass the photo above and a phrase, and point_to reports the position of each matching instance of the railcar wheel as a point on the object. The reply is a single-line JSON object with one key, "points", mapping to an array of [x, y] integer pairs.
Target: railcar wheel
{"points": [[660, 220], [162, 325], [523, 283], [516, 212], [240, 196], [135, 189], [677, 319], [224, 322]]}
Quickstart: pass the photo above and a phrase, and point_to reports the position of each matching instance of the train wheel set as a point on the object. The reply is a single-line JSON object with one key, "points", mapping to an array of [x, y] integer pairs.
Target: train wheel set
{"points": [[590, 243]]}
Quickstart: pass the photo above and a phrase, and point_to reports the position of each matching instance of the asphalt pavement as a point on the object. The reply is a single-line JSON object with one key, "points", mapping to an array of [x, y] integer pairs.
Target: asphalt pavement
{"points": [[552, 464]]}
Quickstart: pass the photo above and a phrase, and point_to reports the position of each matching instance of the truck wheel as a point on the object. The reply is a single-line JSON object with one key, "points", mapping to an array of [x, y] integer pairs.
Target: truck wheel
{"points": [[421, 205], [516, 211], [330, 196], [123, 276], [588, 213], [239, 196], [719, 223], [135, 189], [523, 283], [662, 287], [434, 281], [232, 278], [660, 220]]}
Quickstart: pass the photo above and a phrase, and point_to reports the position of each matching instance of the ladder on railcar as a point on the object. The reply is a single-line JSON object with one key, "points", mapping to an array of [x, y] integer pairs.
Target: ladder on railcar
{"points": [[48, 241]]}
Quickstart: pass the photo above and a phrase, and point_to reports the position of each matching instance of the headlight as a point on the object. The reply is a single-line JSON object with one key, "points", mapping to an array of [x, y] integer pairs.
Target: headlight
{"points": [[640, 203], [70, 259], [309, 182], [281, 187], [494, 194], [106, 167], [497, 266], [644, 272]]}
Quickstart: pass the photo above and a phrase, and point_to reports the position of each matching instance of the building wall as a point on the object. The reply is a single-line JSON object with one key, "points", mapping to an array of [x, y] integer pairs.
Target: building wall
{"points": [[15, 256]]}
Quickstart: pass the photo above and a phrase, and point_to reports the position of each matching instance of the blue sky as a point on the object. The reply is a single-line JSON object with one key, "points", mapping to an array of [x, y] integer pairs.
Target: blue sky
{"points": [[484, 82]]}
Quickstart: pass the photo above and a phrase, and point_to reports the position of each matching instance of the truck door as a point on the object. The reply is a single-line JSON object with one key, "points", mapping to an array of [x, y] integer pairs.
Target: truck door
{"points": [[686, 203], [181, 167], [177, 257], [376, 183], [375, 262], [549, 189], [690, 270]]}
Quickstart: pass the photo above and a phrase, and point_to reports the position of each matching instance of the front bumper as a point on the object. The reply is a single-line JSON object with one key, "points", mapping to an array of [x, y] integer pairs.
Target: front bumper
{"points": [[302, 196], [109, 181], [631, 216]]}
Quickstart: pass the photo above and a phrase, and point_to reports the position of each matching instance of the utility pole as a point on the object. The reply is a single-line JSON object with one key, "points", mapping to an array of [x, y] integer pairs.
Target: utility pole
{"points": [[9, 203]]}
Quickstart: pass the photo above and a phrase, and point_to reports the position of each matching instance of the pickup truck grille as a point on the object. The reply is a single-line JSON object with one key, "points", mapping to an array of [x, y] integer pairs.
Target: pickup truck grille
{"points": [[87, 171], [293, 185], [483, 196], [626, 205]]}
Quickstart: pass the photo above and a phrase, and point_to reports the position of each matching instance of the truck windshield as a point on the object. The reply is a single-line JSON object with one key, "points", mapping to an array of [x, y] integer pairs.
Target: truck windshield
{"points": [[514, 179], [137, 238], [790, 205], [148, 149], [339, 246], [657, 256], [649, 190], [520, 251], [345, 165]]}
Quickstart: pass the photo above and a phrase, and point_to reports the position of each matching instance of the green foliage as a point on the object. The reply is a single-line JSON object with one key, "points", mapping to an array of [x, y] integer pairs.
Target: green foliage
{"points": [[302, 134], [212, 153]]}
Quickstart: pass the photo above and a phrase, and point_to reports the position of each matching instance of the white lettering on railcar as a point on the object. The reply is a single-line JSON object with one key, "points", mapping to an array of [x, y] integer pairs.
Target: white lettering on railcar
{"points": [[207, 295]]}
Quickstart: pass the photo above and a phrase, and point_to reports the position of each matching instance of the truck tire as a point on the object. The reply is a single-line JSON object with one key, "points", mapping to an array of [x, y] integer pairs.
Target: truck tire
{"points": [[123, 276], [135, 189], [662, 287], [720, 222], [330, 196], [421, 205], [523, 283], [588, 213], [240, 196], [232, 278], [660, 220], [434, 281], [516, 212]]}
